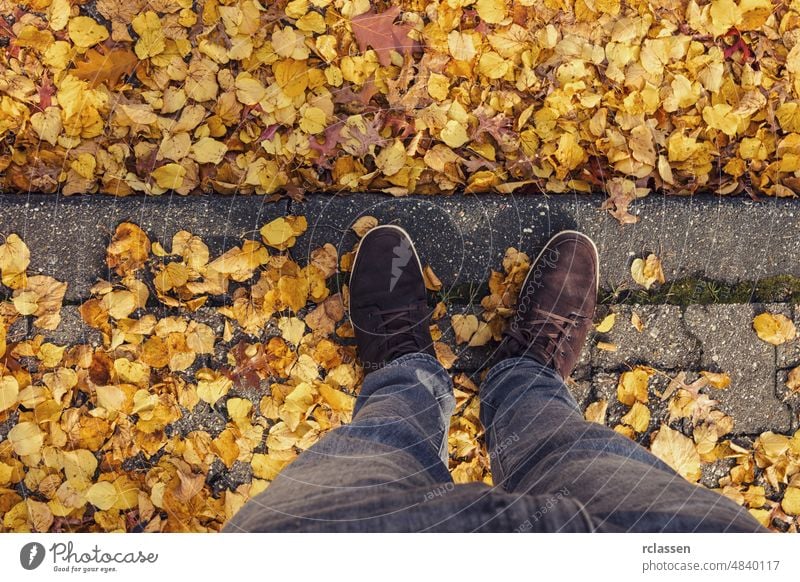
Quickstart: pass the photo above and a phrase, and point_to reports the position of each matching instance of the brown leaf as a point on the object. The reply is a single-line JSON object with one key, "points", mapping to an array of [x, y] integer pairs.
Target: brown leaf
{"points": [[108, 67], [381, 33]]}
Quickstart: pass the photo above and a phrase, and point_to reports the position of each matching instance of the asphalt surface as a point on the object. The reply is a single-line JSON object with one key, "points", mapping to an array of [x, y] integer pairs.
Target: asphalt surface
{"points": [[463, 237]]}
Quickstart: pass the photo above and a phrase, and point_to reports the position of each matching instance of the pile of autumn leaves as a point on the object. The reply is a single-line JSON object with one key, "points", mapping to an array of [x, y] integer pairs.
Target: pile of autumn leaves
{"points": [[289, 96], [101, 436]]}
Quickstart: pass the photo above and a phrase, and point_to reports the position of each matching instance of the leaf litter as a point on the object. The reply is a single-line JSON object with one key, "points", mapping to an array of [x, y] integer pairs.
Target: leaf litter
{"points": [[104, 435], [280, 98]]}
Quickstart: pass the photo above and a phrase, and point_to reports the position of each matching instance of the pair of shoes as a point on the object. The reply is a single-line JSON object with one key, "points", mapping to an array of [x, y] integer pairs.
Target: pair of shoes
{"points": [[391, 317]]}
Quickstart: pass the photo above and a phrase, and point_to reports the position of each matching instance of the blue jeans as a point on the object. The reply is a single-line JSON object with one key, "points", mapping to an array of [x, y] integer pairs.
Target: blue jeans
{"points": [[554, 471]]}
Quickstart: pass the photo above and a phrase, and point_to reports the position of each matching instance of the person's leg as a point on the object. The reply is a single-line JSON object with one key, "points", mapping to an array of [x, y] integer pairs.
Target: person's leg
{"points": [[395, 443], [540, 443]]}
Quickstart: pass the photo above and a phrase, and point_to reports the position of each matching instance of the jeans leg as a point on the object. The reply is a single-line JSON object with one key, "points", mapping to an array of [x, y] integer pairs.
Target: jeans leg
{"points": [[396, 442], [540, 443]]}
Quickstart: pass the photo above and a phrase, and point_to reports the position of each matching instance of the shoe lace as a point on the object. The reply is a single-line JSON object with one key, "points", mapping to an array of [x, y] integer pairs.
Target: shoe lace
{"points": [[543, 334], [397, 327]]}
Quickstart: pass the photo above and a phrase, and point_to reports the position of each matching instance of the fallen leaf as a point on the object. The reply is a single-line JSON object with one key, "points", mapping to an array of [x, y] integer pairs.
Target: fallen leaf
{"points": [[380, 32], [632, 385], [718, 380], [677, 451], [647, 271], [596, 411], [607, 323], [364, 224], [775, 329]]}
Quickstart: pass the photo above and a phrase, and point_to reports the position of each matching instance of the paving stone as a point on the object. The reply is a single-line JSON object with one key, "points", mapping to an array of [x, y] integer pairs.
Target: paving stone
{"points": [[792, 399], [71, 331], [68, 236], [729, 344], [581, 391], [664, 343], [788, 354]]}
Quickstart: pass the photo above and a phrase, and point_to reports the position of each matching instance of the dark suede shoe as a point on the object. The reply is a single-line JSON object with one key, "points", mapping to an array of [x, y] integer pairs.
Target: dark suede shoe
{"points": [[556, 304], [388, 303]]}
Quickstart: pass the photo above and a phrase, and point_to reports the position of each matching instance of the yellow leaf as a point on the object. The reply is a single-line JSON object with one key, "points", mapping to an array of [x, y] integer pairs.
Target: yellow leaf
{"points": [[26, 438], [482, 336], [49, 296], [791, 501], [464, 327], [793, 380], [80, 465], [239, 410], [432, 282], [638, 417], [596, 411], [267, 466], [9, 391], [313, 120], [58, 14], [364, 224], [632, 385], [754, 13], [249, 90], [212, 386], [132, 372], [207, 150], [569, 154], [775, 329], [607, 323], [392, 158], [725, 14], [648, 271], [26, 302], [438, 86], [282, 232], [720, 117], [461, 46], [14, 260], [152, 41], [292, 329], [200, 338], [39, 515], [128, 250], [119, 304], [338, 401], [169, 176], [85, 32], [677, 451], [492, 65], [444, 354], [492, 11], [102, 495], [111, 398], [48, 124], [718, 380], [454, 134]]}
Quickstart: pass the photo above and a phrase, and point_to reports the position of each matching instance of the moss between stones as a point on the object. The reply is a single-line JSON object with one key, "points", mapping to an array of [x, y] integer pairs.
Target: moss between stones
{"points": [[778, 289], [689, 291]]}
